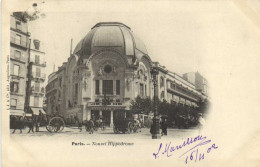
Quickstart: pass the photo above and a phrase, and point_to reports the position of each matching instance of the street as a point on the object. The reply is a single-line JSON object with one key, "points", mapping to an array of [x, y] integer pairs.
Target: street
{"points": [[108, 133]]}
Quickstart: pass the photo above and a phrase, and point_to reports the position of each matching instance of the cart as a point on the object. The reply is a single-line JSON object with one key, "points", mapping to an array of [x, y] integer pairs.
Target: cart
{"points": [[123, 122]]}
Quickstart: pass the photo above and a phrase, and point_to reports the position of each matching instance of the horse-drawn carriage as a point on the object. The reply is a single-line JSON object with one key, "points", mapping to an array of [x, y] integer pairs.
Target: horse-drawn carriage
{"points": [[124, 122]]}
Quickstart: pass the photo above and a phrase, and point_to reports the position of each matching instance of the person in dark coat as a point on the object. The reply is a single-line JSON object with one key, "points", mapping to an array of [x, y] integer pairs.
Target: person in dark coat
{"points": [[30, 124], [164, 126]]}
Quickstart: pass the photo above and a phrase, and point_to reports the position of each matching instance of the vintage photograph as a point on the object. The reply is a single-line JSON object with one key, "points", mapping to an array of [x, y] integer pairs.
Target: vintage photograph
{"points": [[108, 82], [132, 83]]}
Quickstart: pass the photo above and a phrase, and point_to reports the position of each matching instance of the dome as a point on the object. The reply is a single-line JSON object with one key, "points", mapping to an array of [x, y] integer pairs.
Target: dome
{"points": [[112, 35]]}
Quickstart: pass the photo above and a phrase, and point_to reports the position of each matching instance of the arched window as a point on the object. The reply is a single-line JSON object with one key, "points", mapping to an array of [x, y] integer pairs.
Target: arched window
{"points": [[162, 95]]}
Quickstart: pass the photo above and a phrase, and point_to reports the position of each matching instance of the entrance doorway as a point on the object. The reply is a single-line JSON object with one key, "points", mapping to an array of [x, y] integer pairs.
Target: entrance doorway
{"points": [[107, 117], [95, 113]]}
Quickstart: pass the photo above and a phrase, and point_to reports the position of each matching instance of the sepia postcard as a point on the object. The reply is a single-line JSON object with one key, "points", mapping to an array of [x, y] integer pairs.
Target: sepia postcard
{"points": [[130, 83]]}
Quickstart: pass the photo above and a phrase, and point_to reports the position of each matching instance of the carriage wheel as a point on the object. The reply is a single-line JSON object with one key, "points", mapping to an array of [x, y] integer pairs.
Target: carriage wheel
{"points": [[56, 124], [130, 127]]}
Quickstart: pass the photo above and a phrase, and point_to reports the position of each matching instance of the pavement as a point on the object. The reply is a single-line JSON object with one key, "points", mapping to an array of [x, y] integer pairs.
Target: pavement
{"points": [[107, 133]]}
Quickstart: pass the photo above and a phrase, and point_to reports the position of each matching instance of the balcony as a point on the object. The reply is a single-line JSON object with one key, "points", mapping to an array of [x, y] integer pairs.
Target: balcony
{"points": [[42, 64], [38, 90], [22, 43], [38, 75], [107, 104]]}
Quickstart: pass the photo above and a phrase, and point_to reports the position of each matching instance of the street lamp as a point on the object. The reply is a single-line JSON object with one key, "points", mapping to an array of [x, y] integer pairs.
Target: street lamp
{"points": [[155, 127]]}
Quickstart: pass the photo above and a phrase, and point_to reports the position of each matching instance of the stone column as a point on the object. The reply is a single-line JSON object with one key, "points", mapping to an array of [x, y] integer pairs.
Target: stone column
{"points": [[84, 113], [111, 119], [101, 87], [100, 112], [114, 87], [88, 113]]}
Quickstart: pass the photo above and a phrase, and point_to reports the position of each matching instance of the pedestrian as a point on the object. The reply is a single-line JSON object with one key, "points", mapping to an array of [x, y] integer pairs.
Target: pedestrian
{"points": [[201, 122], [80, 126], [30, 123], [164, 126]]}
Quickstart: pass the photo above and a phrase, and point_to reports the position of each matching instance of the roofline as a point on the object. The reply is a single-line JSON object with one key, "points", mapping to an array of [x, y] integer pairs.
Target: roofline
{"points": [[110, 24]]}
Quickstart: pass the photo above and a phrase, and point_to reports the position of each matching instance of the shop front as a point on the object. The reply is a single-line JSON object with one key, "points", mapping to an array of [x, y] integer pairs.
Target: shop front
{"points": [[105, 112]]}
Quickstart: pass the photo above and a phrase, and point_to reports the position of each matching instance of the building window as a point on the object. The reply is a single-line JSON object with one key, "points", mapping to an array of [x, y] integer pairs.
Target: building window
{"points": [[172, 85], [13, 103], [14, 87], [108, 87], [16, 70], [37, 59], [76, 90], [97, 87], [38, 72], [108, 69], [141, 90], [36, 101], [37, 86], [117, 87], [161, 82], [17, 54], [18, 25], [18, 39]]}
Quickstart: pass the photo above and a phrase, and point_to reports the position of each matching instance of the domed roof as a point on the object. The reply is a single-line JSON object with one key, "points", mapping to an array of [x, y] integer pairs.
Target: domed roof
{"points": [[113, 35]]}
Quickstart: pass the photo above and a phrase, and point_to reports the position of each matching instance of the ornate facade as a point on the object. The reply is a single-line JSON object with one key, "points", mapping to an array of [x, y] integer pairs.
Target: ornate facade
{"points": [[109, 67]]}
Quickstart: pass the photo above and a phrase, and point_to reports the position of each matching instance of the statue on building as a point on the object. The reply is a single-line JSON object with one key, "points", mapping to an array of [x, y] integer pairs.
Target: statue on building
{"points": [[85, 83], [100, 72]]}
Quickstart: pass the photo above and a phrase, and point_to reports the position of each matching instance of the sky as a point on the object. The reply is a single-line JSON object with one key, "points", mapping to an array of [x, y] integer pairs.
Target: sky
{"points": [[182, 36], [174, 34]]}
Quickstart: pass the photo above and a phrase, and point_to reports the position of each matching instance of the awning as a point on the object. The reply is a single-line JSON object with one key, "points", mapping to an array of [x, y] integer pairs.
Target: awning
{"points": [[188, 103], [36, 111], [182, 101], [17, 112], [176, 98]]}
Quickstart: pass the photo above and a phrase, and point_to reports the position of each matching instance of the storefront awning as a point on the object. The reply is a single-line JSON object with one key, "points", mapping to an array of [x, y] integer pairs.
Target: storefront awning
{"points": [[17, 112], [36, 111]]}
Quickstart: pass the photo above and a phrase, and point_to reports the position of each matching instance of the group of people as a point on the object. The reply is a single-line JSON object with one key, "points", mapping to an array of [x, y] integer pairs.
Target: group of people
{"points": [[163, 125], [93, 121]]}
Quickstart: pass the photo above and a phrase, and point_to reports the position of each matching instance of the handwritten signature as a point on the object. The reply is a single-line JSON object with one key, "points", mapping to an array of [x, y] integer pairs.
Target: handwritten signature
{"points": [[191, 154]]}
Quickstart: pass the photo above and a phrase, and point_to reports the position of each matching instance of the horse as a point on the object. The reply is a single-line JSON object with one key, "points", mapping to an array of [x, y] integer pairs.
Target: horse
{"points": [[17, 123], [21, 123]]}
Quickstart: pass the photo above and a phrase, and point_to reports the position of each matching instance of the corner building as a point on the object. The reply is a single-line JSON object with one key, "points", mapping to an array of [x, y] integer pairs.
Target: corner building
{"points": [[109, 67], [19, 46]]}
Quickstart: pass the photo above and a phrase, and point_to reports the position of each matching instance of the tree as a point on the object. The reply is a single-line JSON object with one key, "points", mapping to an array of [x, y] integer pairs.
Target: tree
{"points": [[141, 105], [203, 106], [163, 107]]}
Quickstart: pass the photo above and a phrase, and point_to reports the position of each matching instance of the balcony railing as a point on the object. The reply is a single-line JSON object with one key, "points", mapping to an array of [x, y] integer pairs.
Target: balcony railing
{"points": [[107, 104], [38, 75], [43, 64], [19, 42], [38, 90]]}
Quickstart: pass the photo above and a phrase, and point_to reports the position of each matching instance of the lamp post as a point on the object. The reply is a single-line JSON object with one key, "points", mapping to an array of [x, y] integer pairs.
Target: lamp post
{"points": [[155, 128]]}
